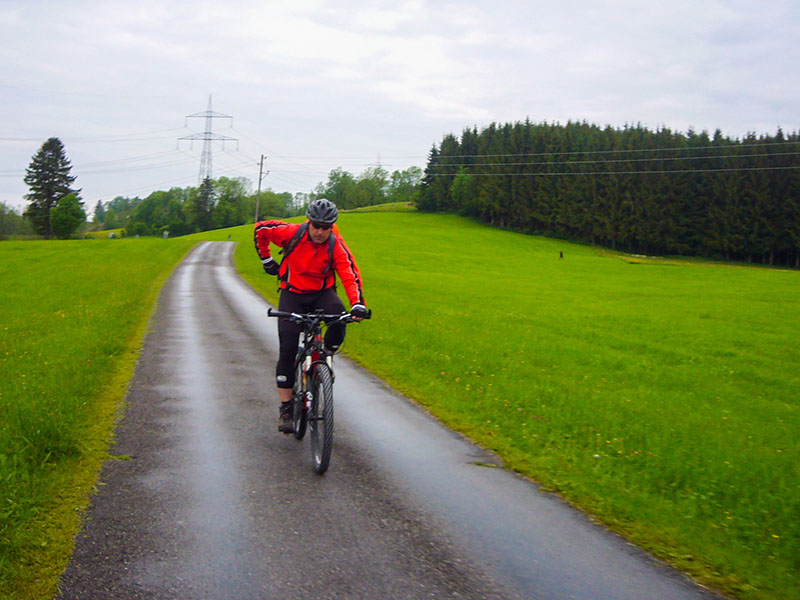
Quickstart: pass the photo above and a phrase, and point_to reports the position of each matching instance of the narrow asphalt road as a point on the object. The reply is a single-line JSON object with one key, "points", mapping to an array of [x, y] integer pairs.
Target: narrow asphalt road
{"points": [[205, 499]]}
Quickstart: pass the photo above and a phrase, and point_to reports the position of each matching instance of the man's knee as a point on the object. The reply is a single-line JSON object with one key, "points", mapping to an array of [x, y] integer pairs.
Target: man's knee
{"points": [[334, 337]]}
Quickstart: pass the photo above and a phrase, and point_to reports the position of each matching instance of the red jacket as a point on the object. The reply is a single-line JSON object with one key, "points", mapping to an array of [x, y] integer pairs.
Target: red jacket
{"points": [[307, 268]]}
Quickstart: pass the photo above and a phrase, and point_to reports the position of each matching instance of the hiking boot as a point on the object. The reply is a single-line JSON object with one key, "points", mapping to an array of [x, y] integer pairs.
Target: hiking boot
{"points": [[285, 422]]}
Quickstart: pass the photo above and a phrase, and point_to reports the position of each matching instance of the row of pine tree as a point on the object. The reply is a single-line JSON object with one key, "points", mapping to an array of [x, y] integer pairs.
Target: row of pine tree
{"points": [[631, 188]]}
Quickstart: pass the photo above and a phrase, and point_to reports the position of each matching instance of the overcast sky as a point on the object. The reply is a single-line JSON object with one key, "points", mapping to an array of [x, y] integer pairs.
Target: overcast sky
{"points": [[314, 85]]}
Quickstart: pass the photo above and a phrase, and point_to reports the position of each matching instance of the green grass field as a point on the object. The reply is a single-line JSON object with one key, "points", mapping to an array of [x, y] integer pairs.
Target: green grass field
{"points": [[659, 395], [72, 314]]}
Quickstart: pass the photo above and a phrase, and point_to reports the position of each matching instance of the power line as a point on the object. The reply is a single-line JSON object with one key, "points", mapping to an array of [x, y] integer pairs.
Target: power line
{"points": [[128, 169], [103, 139], [731, 146], [614, 160], [130, 159], [126, 137], [643, 172], [173, 182]]}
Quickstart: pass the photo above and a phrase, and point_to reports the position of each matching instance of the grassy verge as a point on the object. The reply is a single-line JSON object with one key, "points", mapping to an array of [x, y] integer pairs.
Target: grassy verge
{"points": [[73, 317], [388, 207], [661, 396]]}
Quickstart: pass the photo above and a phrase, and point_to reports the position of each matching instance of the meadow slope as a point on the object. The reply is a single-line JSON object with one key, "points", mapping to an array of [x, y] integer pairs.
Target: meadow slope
{"points": [[659, 395]]}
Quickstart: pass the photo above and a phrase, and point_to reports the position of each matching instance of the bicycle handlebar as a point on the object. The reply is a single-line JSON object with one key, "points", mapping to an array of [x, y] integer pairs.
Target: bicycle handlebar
{"points": [[303, 317]]}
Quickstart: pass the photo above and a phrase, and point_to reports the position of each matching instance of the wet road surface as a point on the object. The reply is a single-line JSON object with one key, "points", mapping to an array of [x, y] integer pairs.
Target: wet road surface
{"points": [[205, 499]]}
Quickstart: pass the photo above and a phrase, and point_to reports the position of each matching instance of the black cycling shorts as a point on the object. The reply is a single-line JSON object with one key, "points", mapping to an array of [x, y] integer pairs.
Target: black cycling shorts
{"points": [[289, 332]]}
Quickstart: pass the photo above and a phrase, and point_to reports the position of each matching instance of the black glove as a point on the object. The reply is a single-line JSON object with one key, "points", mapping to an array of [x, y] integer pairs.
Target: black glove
{"points": [[359, 311], [271, 267]]}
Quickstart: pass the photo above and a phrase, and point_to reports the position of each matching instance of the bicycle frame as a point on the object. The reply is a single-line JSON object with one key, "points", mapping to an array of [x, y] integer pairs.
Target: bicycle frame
{"points": [[309, 354], [311, 335]]}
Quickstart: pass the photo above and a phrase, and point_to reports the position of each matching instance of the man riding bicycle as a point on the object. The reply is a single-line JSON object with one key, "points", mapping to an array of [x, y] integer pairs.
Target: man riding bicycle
{"points": [[314, 253]]}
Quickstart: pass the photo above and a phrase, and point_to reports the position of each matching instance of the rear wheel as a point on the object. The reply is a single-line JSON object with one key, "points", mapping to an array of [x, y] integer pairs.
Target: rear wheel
{"points": [[320, 417]]}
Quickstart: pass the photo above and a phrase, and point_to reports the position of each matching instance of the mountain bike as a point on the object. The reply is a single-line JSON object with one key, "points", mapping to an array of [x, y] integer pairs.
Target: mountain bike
{"points": [[312, 395]]}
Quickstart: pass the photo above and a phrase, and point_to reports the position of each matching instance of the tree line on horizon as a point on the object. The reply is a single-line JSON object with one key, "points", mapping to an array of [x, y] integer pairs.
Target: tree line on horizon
{"points": [[55, 208], [631, 189], [225, 202], [214, 204]]}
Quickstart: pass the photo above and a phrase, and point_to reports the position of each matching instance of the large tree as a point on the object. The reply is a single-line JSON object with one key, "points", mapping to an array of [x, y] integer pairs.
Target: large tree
{"points": [[49, 180]]}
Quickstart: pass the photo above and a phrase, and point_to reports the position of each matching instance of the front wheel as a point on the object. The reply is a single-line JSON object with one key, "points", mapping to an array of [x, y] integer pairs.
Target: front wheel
{"points": [[320, 417]]}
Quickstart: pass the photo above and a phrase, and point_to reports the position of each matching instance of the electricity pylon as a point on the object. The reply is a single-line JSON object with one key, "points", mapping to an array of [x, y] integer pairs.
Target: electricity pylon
{"points": [[207, 136]]}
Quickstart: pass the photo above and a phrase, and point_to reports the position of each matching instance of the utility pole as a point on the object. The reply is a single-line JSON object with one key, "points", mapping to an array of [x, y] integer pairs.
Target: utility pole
{"points": [[207, 136], [260, 177]]}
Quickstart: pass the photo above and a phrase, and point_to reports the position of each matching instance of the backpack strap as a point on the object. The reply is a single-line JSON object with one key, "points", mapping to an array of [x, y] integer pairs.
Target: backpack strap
{"points": [[331, 246], [287, 250]]}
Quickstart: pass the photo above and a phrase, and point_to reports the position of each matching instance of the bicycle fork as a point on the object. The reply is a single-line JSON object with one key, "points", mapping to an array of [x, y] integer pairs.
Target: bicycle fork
{"points": [[306, 394]]}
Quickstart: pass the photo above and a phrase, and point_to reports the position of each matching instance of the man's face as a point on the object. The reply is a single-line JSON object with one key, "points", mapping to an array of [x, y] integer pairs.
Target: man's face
{"points": [[319, 232]]}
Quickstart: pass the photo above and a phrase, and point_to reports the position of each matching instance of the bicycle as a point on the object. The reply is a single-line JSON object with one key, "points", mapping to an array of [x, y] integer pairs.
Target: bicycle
{"points": [[312, 395]]}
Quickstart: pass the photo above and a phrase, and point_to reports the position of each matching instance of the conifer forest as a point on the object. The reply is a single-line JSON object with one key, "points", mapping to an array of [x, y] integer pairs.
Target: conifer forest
{"points": [[631, 189]]}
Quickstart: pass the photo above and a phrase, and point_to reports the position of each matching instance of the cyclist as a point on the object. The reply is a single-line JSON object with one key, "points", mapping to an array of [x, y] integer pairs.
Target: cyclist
{"points": [[314, 253]]}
